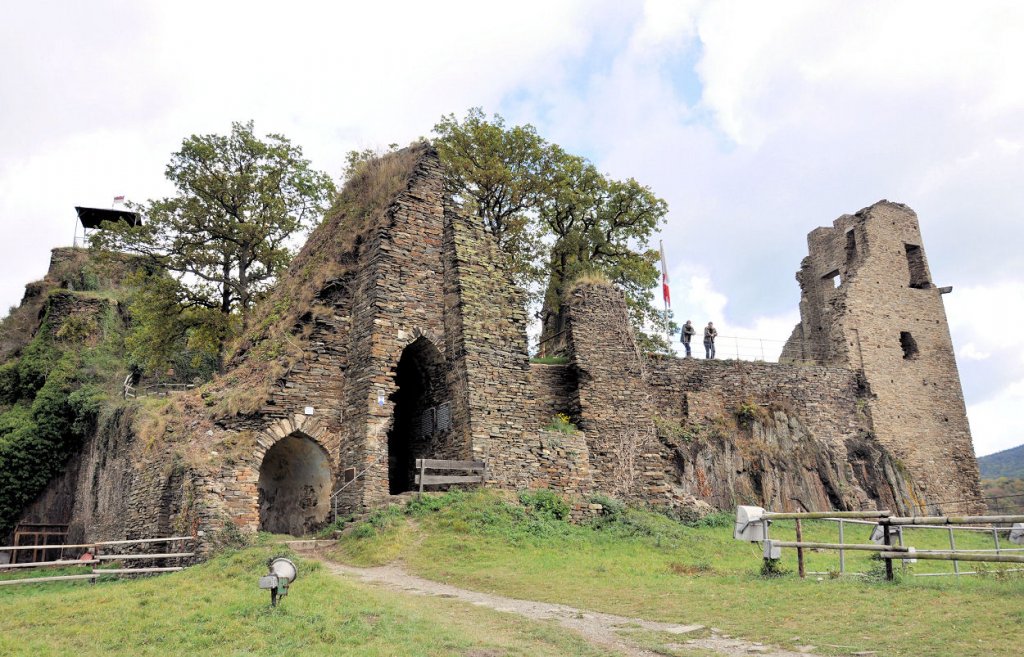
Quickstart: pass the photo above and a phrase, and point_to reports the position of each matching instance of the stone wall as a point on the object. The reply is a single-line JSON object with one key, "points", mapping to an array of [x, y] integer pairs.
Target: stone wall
{"points": [[738, 432], [868, 303]]}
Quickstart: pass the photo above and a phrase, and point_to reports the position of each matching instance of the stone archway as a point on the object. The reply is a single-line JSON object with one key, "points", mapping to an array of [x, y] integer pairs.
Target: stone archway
{"points": [[294, 486], [421, 387]]}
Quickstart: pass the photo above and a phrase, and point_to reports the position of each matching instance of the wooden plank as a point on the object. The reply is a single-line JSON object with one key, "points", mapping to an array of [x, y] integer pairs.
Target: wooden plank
{"points": [[137, 541], [42, 564], [129, 571], [825, 515], [433, 480], [870, 547], [48, 547], [37, 580], [125, 557], [441, 464], [953, 520], [955, 556]]}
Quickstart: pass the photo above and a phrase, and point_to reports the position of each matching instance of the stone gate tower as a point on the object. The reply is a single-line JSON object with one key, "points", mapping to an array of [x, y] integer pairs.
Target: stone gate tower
{"points": [[868, 303]]}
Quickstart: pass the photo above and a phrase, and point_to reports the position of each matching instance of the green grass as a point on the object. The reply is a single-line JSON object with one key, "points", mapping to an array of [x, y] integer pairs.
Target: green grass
{"points": [[549, 360], [217, 609], [643, 564]]}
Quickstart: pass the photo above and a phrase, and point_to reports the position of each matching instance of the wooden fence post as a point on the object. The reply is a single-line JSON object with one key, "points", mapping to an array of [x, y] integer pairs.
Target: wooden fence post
{"points": [[800, 550], [887, 540]]}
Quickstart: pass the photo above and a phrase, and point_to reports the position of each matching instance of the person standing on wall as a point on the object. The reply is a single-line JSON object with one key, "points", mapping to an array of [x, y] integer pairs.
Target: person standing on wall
{"points": [[709, 340], [687, 333]]}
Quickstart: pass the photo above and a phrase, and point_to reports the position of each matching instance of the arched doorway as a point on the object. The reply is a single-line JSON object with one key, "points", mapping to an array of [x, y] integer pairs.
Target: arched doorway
{"points": [[421, 389], [294, 486]]}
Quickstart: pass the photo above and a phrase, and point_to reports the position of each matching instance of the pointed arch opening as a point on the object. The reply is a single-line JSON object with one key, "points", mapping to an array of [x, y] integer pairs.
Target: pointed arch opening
{"points": [[419, 411], [294, 486]]}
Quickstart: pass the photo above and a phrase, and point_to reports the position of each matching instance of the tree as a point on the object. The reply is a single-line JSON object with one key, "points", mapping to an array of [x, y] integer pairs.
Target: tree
{"points": [[225, 235], [500, 175], [555, 215], [597, 224]]}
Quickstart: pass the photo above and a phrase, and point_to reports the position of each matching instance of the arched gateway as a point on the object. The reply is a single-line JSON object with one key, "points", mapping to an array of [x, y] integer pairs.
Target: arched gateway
{"points": [[294, 486], [421, 392]]}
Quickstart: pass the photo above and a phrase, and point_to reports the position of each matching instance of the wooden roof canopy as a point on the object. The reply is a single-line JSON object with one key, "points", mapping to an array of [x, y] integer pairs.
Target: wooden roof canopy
{"points": [[93, 217]]}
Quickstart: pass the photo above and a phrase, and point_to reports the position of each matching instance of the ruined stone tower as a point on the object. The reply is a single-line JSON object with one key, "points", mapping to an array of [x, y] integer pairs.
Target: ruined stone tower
{"points": [[868, 303]]}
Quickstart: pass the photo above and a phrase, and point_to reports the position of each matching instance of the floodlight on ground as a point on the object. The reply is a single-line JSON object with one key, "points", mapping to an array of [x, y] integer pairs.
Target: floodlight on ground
{"points": [[281, 573]]}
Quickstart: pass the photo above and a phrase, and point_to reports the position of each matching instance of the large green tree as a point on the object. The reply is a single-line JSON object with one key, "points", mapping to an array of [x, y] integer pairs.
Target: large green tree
{"points": [[600, 226], [500, 174], [556, 216], [227, 232]]}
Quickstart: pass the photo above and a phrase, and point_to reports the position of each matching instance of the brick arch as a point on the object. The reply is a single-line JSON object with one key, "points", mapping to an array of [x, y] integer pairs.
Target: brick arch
{"points": [[295, 475], [407, 337], [304, 426]]}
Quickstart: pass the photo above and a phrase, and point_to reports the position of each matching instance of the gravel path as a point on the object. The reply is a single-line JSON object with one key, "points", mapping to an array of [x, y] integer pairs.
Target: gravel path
{"points": [[600, 629]]}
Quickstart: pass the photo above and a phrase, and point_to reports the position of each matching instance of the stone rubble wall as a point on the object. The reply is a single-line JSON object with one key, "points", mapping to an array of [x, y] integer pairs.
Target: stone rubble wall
{"points": [[613, 396], [916, 401]]}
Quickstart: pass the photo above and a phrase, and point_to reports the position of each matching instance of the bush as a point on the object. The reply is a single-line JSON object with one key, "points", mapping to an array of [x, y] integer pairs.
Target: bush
{"points": [[772, 568], [560, 422], [717, 519], [545, 503], [611, 507]]}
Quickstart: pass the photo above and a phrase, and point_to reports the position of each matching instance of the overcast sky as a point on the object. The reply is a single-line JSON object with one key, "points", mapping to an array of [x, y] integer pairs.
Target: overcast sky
{"points": [[757, 122]]}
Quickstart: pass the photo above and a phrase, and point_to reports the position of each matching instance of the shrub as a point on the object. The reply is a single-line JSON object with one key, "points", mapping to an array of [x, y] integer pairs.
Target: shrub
{"points": [[611, 507], [560, 422], [772, 568], [545, 503]]}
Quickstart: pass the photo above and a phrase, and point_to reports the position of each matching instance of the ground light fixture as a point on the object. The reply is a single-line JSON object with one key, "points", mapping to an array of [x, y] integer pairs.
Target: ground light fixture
{"points": [[281, 573]]}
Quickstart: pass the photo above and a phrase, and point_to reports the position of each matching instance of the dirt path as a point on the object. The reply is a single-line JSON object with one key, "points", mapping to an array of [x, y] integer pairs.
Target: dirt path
{"points": [[605, 630]]}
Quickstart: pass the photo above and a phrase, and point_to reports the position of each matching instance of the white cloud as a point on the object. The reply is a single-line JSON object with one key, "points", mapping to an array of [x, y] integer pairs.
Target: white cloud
{"points": [[756, 121], [997, 421]]}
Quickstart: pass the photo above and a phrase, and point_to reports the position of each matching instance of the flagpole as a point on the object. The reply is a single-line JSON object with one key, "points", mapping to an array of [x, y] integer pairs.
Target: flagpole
{"points": [[664, 289]]}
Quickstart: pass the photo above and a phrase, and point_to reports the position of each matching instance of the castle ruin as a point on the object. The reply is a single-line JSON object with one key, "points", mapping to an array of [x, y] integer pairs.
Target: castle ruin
{"points": [[397, 334]]}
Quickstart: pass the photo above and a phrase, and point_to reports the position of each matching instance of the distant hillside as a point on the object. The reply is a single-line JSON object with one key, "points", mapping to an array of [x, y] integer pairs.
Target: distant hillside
{"points": [[1007, 463]]}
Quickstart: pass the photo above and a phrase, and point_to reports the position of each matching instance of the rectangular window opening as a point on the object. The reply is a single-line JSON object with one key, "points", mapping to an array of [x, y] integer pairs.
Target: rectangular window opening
{"points": [[834, 277], [915, 263], [851, 245]]}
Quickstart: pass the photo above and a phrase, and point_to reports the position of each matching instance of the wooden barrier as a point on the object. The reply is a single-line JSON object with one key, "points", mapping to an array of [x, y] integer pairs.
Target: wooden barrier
{"points": [[96, 558], [477, 468]]}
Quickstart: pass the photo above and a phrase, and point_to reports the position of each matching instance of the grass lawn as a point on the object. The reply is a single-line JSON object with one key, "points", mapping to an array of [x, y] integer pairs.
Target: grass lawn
{"points": [[643, 564], [216, 609]]}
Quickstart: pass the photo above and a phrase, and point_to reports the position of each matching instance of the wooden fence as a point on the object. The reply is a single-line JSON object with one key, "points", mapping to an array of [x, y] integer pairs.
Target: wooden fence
{"points": [[477, 472], [890, 533], [93, 555]]}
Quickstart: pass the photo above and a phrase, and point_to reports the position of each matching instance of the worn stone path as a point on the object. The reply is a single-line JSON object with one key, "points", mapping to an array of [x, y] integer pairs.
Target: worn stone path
{"points": [[604, 630]]}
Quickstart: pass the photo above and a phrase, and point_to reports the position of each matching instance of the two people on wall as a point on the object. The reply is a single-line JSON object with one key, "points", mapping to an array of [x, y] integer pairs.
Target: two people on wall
{"points": [[710, 333]]}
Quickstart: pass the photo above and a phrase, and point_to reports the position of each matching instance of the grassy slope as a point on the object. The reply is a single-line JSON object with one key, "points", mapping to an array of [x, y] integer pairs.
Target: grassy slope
{"points": [[216, 609], [648, 566]]}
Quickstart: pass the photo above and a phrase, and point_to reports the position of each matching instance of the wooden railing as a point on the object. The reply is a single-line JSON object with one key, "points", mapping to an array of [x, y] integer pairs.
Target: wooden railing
{"points": [[94, 554], [477, 472]]}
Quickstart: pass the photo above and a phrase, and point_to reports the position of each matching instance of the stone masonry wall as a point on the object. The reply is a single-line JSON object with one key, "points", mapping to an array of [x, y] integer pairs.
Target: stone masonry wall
{"points": [[613, 395], [765, 433], [886, 318]]}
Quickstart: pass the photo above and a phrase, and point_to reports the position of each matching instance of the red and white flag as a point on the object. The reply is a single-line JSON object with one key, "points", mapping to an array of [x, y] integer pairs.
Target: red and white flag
{"points": [[664, 276]]}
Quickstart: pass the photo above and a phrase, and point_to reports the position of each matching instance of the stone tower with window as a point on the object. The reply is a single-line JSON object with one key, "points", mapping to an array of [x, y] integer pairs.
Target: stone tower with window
{"points": [[868, 303]]}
